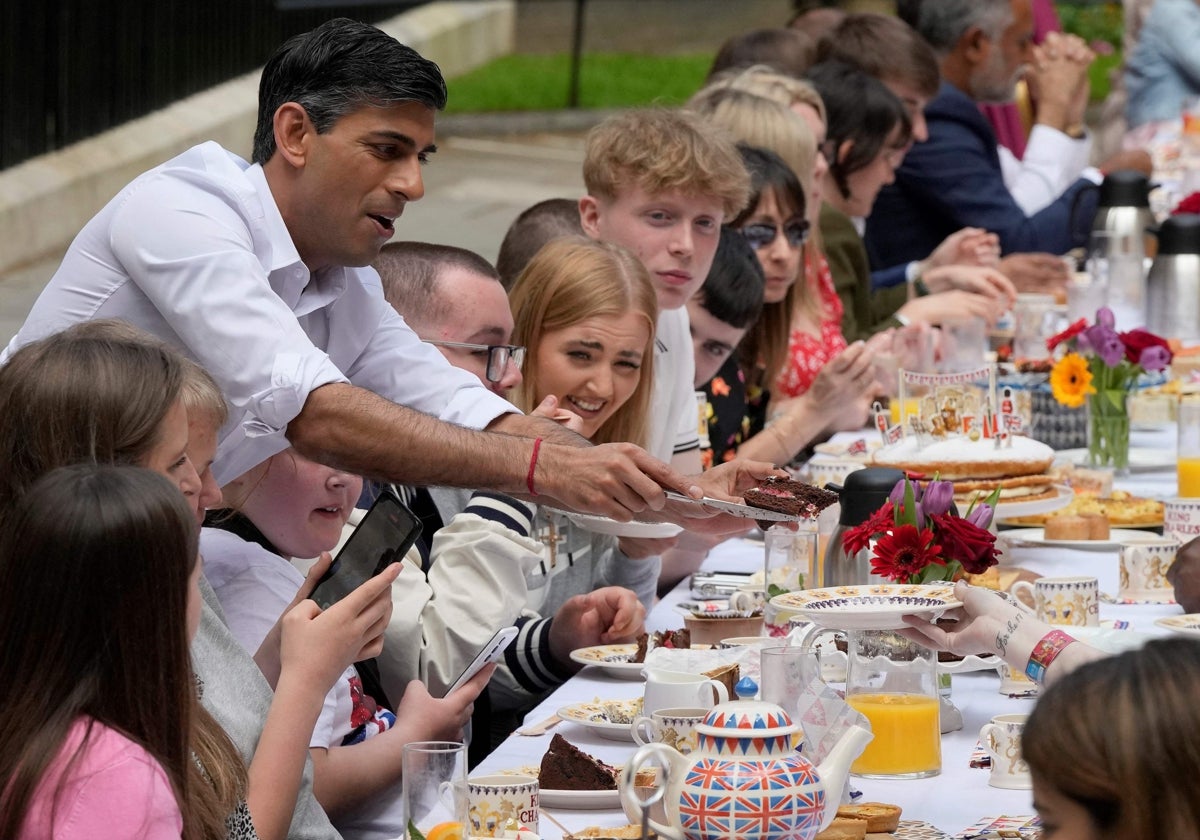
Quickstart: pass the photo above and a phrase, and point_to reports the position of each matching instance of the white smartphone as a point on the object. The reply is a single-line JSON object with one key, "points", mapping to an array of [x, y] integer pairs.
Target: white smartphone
{"points": [[491, 652]]}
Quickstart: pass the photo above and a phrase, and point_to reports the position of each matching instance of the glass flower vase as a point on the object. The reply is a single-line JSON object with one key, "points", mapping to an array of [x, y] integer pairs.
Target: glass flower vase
{"points": [[1108, 430]]}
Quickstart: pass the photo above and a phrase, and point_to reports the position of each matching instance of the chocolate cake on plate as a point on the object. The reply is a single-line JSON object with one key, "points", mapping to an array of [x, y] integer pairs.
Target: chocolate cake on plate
{"points": [[566, 767]]}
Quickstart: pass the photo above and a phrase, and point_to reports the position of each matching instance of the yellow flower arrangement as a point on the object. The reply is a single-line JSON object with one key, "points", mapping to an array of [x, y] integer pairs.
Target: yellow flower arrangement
{"points": [[1071, 380]]}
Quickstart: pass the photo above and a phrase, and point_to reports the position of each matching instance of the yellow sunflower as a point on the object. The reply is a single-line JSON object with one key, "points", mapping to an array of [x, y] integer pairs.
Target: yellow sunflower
{"points": [[1071, 380]]}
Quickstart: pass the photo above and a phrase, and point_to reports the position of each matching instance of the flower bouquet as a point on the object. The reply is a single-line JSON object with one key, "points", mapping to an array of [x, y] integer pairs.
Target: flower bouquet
{"points": [[920, 538], [1099, 368]]}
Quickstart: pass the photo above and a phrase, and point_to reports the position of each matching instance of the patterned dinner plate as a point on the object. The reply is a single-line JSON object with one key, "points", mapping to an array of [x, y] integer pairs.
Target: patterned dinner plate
{"points": [[607, 718], [1189, 624], [869, 607], [615, 660]]}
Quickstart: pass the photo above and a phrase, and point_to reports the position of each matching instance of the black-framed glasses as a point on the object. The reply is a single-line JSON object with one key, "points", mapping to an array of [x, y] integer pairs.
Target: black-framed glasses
{"points": [[762, 234], [498, 357]]}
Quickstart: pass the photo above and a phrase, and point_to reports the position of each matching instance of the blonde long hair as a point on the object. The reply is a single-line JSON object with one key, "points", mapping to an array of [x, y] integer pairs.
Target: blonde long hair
{"points": [[570, 280]]}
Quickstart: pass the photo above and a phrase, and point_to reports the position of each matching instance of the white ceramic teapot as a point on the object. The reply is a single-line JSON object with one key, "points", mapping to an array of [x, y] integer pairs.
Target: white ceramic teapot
{"points": [[746, 780]]}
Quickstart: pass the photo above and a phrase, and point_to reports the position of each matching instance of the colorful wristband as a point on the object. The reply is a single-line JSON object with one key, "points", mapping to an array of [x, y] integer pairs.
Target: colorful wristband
{"points": [[537, 445], [1045, 652]]}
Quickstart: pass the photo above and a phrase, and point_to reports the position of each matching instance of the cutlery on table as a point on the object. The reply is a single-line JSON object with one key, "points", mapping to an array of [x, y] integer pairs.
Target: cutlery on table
{"points": [[540, 728]]}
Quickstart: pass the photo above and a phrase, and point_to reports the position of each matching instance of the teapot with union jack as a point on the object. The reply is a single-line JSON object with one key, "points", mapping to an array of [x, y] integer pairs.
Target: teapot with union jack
{"points": [[746, 779]]}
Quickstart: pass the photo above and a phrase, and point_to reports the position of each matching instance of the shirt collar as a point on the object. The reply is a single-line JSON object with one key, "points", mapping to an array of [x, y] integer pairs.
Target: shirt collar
{"points": [[283, 251]]}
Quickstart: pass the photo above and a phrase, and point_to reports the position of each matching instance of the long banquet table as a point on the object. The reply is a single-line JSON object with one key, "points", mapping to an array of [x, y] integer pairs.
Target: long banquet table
{"points": [[953, 800]]}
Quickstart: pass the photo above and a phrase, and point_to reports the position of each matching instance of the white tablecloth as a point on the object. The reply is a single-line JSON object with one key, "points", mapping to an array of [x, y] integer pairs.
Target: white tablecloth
{"points": [[953, 800]]}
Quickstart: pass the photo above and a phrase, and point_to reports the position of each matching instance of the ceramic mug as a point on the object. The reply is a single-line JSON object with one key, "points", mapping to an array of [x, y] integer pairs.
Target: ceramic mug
{"points": [[1181, 519], [673, 727], [494, 800], [1073, 601], [1144, 565], [1014, 683], [1002, 740], [676, 689]]}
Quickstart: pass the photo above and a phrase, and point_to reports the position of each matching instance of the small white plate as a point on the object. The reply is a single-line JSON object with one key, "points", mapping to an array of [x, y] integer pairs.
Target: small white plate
{"points": [[580, 800], [570, 800], [1188, 625], [869, 607], [612, 659], [1037, 536], [1007, 510], [633, 528], [1110, 639], [594, 716], [1141, 458]]}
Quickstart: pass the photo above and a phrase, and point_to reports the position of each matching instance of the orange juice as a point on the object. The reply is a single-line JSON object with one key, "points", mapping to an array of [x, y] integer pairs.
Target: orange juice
{"points": [[1189, 477], [907, 738], [912, 406]]}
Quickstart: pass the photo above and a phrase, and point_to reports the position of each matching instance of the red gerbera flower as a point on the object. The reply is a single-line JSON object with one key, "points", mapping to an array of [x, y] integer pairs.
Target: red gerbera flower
{"points": [[860, 536], [905, 552], [1067, 334]]}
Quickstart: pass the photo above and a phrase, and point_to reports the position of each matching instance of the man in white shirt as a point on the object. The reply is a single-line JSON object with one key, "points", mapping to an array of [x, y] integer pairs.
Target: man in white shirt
{"points": [[254, 271]]}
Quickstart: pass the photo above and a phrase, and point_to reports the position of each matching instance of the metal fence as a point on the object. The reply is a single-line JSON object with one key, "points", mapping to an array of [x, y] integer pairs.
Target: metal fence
{"points": [[70, 69]]}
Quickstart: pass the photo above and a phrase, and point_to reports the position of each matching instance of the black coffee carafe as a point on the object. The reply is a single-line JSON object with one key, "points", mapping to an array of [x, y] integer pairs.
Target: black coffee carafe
{"points": [[864, 492]]}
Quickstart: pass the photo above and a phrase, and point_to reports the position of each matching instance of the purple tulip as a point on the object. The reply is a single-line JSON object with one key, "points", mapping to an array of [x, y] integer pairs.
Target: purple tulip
{"points": [[939, 495], [1105, 318], [980, 516], [1154, 358], [1106, 344], [896, 497]]}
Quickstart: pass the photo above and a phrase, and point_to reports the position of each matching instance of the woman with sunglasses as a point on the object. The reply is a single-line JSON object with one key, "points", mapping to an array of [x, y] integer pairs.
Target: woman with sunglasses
{"points": [[868, 134]]}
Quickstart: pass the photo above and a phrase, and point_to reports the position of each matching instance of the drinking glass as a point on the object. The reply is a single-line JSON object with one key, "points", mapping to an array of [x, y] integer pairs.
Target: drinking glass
{"points": [[434, 786], [1188, 463], [964, 344], [789, 557], [893, 682], [1034, 321], [1115, 261], [785, 674]]}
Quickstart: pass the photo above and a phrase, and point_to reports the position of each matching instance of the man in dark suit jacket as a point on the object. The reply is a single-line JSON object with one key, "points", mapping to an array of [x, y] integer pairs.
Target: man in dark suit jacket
{"points": [[955, 179]]}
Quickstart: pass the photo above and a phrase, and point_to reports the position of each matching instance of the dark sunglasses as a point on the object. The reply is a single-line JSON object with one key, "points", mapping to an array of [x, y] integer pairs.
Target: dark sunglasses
{"points": [[762, 234]]}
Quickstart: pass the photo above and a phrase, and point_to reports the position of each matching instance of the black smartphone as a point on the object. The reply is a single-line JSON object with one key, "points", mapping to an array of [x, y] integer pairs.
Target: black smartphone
{"points": [[384, 536]]}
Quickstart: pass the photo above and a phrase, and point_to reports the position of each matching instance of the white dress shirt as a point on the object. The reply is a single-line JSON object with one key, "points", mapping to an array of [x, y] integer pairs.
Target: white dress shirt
{"points": [[196, 252], [1053, 162]]}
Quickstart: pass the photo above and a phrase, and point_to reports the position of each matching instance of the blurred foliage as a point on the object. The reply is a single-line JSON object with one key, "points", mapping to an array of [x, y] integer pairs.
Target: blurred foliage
{"points": [[1102, 21], [606, 80]]}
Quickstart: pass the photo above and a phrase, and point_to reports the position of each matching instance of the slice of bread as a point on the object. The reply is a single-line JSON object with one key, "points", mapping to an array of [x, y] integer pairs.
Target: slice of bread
{"points": [[881, 817], [845, 828]]}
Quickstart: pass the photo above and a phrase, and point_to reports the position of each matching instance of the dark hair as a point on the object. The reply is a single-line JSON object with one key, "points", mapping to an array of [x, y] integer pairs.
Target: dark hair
{"points": [[789, 51], [885, 47], [1118, 736], [762, 352], [339, 67], [95, 562], [95, 392], [769, 172], [861, 109], [536, 226], [817, 23], [733, 290], [409, 272]]}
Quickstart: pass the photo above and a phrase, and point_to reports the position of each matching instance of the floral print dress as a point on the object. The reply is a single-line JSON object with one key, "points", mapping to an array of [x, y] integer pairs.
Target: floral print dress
{"points": [[807, 353]]}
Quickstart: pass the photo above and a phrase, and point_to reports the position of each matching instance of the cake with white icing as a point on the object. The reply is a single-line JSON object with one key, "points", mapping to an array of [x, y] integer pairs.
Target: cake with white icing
{"points": [[960, 458]]}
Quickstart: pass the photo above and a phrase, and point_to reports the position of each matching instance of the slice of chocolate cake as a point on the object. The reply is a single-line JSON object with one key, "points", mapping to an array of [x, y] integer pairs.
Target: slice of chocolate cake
{"points": [[681, 639], [566, 767], [791, 497]]}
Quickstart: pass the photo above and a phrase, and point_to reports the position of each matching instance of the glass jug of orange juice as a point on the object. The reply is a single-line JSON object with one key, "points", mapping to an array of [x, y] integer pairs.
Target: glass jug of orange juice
{"points": [[893, 682]]}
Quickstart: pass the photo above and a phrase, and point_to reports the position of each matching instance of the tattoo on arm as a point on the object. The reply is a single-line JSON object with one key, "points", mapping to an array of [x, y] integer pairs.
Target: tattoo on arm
{"points": [[1005, 635]]}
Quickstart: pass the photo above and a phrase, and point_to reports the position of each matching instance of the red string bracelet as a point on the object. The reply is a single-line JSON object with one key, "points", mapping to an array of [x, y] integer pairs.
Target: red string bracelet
{"points": [[537, 445]]}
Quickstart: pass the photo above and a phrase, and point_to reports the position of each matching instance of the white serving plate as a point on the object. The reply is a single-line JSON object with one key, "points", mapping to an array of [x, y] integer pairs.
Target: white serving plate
{"points": [[870, 606], [633, 528], [1141, 458], [1037, 536]]}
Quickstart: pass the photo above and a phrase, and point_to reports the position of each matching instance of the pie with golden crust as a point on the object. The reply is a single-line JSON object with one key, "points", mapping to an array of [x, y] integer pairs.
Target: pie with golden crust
{"points": [[1122, 509]]}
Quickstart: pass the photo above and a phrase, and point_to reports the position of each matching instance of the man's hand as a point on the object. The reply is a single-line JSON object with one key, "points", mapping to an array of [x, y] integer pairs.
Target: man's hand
{"points": [[1037, 272], [981, 281], [954, 305], [605, 616], [1184, 575], [1138, 159], [969, 246], [1058, 80], [617, 480]]}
